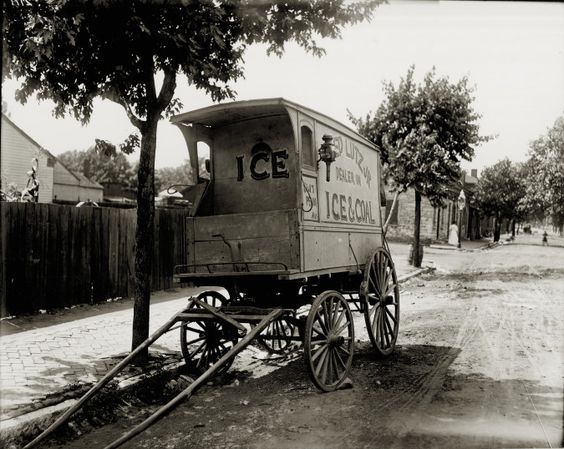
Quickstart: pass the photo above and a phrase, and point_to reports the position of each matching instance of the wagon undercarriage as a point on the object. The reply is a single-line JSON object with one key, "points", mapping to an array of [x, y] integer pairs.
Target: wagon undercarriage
{"points": [[214, 329]]}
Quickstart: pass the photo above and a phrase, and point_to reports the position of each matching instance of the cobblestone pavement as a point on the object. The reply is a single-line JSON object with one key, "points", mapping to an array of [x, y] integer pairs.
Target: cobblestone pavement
{"points": [[40, 362]]}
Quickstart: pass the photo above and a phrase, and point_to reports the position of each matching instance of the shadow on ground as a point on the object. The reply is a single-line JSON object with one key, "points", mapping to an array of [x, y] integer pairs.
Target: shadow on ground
{"points": [[411, 399]]}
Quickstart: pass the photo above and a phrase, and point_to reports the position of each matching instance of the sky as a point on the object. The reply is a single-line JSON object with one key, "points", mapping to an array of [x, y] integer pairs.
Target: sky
{"points": [[511, 52]]}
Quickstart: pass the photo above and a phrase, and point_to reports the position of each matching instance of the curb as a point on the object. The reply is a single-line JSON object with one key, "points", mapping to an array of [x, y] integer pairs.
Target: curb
{"points": [[415, 273], [23, 427]]}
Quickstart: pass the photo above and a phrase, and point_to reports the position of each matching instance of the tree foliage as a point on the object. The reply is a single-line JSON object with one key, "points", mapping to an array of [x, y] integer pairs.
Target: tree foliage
{"points": [[100, 167], [500, 193], [544, 193], [133, 52], [181, 175], [500, 190], [423, 132], [73, 51]]}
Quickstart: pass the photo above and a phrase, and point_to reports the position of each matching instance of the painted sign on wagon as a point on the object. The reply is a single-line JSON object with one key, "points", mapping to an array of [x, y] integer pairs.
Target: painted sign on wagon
{"points": [[351, 195], [309, 198]]}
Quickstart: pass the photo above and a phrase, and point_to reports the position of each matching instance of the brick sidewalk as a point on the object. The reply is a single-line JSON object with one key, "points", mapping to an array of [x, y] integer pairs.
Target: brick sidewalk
{"points": [[38, 363]]}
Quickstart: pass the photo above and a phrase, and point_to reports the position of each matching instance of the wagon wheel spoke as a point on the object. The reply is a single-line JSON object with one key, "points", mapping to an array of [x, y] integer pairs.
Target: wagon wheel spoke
{"points": [[373, 285], [277, 338], [216, 337], [384, 330], [340, 359], [374, 280], [340, 330], [381, 311], [196, 331], [347, 353], [203, 346], [321, 363], [318, 353], [319, 331], [329, 327], [196, 340], [392, 317], [342, 315], [322, 325]]}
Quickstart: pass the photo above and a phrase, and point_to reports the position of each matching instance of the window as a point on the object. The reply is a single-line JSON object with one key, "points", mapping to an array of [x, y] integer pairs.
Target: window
{"points": [[307, 146]]}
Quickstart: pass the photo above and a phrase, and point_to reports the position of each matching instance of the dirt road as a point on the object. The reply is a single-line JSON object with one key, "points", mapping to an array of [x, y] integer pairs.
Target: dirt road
{"points": [[479, 365]]}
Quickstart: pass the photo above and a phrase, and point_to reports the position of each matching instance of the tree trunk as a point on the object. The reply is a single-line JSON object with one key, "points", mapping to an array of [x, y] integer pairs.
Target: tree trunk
{"points": [[144, 235], [513, 228], [497, 229], [416, 253]]}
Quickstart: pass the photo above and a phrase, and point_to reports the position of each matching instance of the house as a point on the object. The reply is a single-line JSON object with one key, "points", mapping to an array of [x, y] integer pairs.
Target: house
{"points": [[17, 151], [435, 221], [72, 186], [56, 182], [116, 194]]}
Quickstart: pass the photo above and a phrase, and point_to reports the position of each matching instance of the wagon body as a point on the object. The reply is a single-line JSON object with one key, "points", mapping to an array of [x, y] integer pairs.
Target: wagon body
{"points": [[268, 210]]}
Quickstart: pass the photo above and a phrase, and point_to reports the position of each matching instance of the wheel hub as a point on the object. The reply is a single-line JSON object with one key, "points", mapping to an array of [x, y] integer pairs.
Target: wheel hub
{"points": [[336, 340]]}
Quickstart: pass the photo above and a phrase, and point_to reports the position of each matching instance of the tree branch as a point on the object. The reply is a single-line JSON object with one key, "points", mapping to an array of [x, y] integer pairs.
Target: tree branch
{"points": [[167, 90], [116, 97]]}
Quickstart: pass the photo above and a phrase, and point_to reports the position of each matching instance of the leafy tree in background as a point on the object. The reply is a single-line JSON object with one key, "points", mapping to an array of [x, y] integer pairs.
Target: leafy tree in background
{"points": [[98, 166], [544, 195], [499, 193], [133, 53], [168, 176], [423, 132], [183, 175]]}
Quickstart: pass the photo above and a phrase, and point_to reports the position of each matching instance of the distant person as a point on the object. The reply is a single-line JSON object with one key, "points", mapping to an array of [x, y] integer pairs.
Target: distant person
{"points": [[453, 234], [544, 239]]}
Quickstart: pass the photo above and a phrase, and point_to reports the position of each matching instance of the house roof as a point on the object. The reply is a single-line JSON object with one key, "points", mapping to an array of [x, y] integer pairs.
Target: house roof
{"points": [[469, 179], [28, 137], [83, 181], [86, 182]]}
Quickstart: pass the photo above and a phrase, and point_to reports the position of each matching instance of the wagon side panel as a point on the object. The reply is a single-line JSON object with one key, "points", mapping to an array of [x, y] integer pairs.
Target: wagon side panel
{"points": [[258, 238], [254, 166], [342, 225], [338, 249]]}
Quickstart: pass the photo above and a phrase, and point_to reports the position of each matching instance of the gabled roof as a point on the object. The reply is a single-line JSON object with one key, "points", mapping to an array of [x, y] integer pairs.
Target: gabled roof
{"points": [[27, 136], [83, 181], [86, 182], [469, 179], [22, 132]]}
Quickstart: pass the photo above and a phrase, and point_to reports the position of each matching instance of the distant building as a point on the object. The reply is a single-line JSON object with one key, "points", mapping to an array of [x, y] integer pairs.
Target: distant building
{"points": [[56, 182], [116, 193], [17, 150], [435, 221], [71, 186]]}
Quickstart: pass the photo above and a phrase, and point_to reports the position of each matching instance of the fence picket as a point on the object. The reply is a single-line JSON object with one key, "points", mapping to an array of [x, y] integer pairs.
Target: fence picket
{"points": [[55, 256]]}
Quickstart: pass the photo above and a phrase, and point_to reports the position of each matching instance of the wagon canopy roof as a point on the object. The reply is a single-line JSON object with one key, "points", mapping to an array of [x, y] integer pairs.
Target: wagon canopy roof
{"points": [[226, 113]]}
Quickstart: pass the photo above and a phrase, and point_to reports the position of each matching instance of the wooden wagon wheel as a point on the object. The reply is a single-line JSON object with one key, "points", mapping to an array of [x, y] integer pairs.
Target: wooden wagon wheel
{"points": [[329, 340], [380, 291], [204, 342], [276, 337]]}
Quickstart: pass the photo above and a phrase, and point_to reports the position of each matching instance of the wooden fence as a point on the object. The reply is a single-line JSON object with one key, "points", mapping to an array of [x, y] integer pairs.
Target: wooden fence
{"points": [[58, 256]]}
